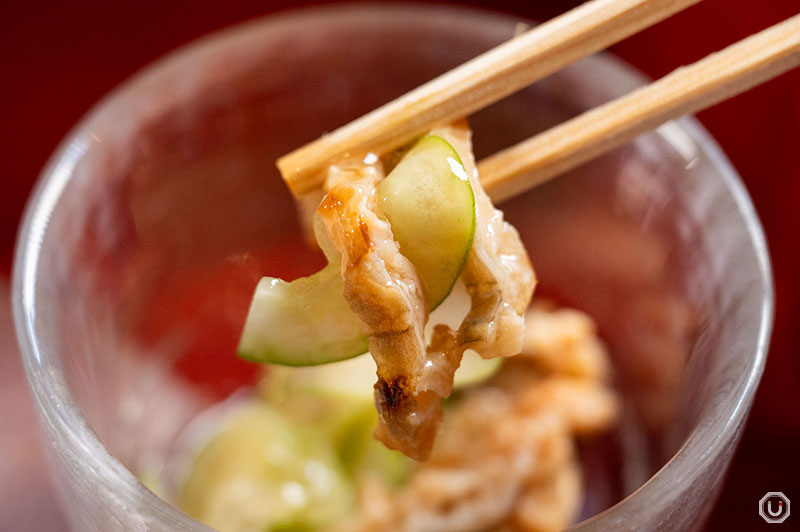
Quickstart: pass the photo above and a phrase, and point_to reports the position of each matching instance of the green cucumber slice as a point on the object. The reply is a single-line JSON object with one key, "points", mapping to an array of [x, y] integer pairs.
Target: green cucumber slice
{"points": [[428, 200], [429, 203], [302, 323], [262, 470]]}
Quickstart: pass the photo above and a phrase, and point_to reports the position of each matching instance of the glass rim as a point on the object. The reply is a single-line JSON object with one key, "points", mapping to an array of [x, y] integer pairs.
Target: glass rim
{"points": [[60, 413]]}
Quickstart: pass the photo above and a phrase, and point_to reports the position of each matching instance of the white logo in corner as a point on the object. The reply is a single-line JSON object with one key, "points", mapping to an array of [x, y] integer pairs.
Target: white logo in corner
{"points": [[774, 507]]}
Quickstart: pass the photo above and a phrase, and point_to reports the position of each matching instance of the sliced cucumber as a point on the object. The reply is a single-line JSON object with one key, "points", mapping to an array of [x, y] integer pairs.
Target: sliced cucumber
{"points": [[263, 470], [302, 323], [429, 203], [428, 200]]}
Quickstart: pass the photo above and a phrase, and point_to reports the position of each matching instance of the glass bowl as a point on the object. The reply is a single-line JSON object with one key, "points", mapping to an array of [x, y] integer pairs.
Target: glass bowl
{"points": [[152, 222]]}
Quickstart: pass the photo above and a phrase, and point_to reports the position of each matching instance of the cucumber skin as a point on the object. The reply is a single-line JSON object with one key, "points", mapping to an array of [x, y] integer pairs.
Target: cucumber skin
{"points": [[278, 356]]}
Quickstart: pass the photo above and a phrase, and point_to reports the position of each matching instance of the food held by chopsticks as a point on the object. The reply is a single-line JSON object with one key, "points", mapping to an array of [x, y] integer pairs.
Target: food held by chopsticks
{"points": [[399, 244], [385, 284], [402, 225]]}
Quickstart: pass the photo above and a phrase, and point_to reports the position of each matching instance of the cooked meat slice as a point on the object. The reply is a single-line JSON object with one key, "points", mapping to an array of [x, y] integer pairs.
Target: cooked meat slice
{"points": [[564, 341], [506, 458], [382, 288], [498, 273]]}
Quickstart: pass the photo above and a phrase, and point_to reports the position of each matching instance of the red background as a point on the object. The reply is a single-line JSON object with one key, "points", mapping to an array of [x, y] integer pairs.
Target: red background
{"points": [[57, 59]]}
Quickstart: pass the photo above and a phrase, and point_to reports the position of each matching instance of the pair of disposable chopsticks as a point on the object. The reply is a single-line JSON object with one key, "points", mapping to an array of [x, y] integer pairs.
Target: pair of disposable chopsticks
{"points": [[532, 56]]}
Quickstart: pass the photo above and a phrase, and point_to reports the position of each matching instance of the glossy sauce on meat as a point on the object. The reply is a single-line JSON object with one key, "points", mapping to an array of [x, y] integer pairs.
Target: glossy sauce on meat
{"points": [[384, 291]]}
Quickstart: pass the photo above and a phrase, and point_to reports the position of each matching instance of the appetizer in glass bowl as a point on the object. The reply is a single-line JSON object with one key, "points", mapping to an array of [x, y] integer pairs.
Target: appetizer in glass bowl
{"points": [[156, 219]]}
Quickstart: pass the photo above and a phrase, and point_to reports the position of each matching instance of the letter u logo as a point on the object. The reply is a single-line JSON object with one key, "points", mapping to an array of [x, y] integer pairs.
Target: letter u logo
{"points": [[769, 508]]}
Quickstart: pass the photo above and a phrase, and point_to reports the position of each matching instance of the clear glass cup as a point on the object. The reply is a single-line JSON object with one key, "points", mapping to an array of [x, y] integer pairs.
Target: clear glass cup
{"points": [[151, 223]]}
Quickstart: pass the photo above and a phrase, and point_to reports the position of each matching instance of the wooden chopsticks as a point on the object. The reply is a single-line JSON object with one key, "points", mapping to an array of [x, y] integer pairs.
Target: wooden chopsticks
{"points": [[717, 77], [489, 77], [532, 56]]}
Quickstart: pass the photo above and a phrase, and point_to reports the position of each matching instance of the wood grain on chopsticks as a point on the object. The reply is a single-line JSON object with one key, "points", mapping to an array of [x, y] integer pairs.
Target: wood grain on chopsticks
{"points": [[717, 77], [499, 72]]}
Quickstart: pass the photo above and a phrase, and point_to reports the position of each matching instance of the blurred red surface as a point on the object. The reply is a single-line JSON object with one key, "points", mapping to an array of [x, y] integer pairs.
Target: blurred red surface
{"points": [[57, 59]]}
